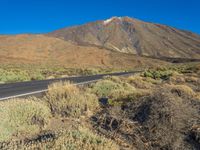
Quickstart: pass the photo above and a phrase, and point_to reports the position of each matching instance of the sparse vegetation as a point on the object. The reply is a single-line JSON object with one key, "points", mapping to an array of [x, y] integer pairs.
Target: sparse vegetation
{"points": [[149, 120], [81, 138], [142, 112], [17, 73], [22, 117], [75, 139]]}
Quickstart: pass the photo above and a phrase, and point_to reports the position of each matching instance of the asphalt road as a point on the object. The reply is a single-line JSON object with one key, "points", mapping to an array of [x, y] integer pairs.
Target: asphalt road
{"points": [[21, 89]]}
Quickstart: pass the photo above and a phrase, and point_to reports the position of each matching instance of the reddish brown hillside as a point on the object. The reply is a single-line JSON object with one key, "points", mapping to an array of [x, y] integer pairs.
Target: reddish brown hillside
{"points": [[41, 49]]}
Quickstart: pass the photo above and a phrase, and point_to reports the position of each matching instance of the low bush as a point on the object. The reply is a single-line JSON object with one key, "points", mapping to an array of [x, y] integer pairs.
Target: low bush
{"points": [[107, 88], [158, 74], [13, 76], [66, 99], [177, 78], [17, 75], [139, 82], [114, 79], [36, 75], [90, 71], [192, 79], [183, 91], [22, 117], [104, 87]]}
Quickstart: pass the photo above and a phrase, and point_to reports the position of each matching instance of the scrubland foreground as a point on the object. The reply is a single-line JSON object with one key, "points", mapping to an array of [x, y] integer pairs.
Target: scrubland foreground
{"points": [[157, 109]]}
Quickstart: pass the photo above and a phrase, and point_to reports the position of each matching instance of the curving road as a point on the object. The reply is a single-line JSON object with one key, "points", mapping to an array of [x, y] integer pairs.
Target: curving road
{"points": [[30, 88]]}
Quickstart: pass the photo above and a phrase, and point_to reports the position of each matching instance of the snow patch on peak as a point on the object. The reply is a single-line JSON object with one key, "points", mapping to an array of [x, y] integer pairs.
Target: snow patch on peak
{"points": [[111, 19]]}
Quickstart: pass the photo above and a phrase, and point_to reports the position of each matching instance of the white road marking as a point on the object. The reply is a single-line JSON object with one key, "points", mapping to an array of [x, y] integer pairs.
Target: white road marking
{"points": [[42, 91], [45, 90], [25, 94]]}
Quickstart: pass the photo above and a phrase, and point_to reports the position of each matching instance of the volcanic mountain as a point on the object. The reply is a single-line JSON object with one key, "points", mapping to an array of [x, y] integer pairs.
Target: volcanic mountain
{"points": [[119, 42], [128, 35]]}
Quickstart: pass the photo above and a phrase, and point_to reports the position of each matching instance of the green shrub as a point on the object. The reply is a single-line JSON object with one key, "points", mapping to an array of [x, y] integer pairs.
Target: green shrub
{"points": [[22, 117], [107, 88], [13, 75], [17, 75], [158, 74], [104, 87]]}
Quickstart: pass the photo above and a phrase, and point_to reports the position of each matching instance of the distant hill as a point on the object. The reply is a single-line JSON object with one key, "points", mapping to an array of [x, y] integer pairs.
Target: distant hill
{"points": [[124, 34], [44, 50]]}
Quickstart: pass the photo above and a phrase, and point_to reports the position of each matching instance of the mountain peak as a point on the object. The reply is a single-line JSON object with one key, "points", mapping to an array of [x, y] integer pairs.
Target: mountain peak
{"points": [[112, 19], [130, 35], [119, 20]]}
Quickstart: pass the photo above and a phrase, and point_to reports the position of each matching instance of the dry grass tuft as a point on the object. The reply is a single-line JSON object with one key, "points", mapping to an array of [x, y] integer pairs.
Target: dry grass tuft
{"points": [[183, 91], [139, 82], [113, 78], [191, 79], [66, 99], [62, 89], [178, 78]]}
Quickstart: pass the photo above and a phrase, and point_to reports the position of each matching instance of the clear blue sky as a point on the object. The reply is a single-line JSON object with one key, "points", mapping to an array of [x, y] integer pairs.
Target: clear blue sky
{"points": [[41, 16]]}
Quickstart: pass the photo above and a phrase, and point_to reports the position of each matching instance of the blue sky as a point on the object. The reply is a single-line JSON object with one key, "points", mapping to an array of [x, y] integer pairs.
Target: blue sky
{"points": [[41, 16]]}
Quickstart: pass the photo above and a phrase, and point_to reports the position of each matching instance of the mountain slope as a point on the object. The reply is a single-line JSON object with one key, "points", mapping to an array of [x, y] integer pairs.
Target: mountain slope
{"points": [[44, 50], [133, 36]]}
